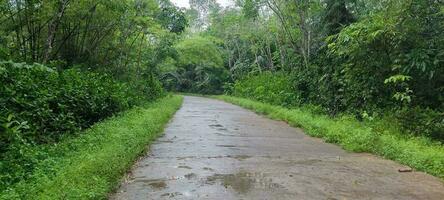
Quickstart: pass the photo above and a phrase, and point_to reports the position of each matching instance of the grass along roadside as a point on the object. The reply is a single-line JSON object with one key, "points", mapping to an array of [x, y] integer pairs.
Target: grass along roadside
{"points": [[416, 152], [92, 164]]}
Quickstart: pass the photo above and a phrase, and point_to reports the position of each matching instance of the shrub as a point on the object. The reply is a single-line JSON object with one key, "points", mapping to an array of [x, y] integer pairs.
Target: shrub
{"points": [[39, 105], [285, 90], [54, 103], [422, 122], [198, 67], [267, 87]]}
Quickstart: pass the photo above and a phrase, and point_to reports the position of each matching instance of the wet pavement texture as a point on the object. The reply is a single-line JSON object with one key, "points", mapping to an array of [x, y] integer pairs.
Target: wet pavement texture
{"points": [[216, 150]]}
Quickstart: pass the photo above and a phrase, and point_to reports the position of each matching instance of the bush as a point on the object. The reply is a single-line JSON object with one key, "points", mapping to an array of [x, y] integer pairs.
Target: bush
{"points": [[276, 89], [146, 88], [284, 90], [39, 105], [55, 103], [422, 122], [198, 68]]}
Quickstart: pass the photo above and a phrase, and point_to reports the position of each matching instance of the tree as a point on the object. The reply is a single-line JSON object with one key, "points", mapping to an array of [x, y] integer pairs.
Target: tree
{"points": [[173, 19], [199, 67], [336, 16], [250, 9], [202, 9]]}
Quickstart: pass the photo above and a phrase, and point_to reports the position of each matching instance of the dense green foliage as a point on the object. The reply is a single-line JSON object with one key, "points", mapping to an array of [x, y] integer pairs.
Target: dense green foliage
{"points": [[118, 36], [278, 89], [364, 58], [353, 135], [267, 87], [125, 39], [98, 58], [198, 67], [91, 165], [39, 105], [54, 103]]}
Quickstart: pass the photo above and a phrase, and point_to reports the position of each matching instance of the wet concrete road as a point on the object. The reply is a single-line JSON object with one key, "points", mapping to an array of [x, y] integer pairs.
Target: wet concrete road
{"points": [[215, 150]]}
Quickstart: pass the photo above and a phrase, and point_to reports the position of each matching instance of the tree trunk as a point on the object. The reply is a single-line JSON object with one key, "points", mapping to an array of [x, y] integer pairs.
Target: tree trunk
{"points": [[52, 28]]}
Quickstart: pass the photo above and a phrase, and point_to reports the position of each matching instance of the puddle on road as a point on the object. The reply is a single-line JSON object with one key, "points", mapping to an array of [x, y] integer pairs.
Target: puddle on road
{"points": [[221, 134], [240, 157], [190, 176], [158, 185], [225, 145], [218, 127], [172, 194], [215, 125], [184, 167], [208, 169], [243, 182]]}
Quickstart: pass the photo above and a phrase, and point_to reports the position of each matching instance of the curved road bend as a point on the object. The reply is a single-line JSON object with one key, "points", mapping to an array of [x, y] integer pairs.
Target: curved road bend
{"points": [[216, 150]]}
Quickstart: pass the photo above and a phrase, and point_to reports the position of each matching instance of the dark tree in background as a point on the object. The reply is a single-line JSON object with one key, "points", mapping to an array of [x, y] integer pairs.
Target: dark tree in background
{"points": [[336, 16]]}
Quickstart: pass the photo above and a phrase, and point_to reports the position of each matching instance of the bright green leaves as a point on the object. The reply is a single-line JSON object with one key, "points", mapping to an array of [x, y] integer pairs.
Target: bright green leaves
{"points": [[397, 79], [267, 87], [401, 82], [199, 51], [389, 43], [199, 67]]}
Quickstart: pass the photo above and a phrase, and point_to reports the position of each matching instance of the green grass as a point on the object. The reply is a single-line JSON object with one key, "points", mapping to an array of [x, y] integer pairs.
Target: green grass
{"points": [[419, 153], [91, 165]]}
